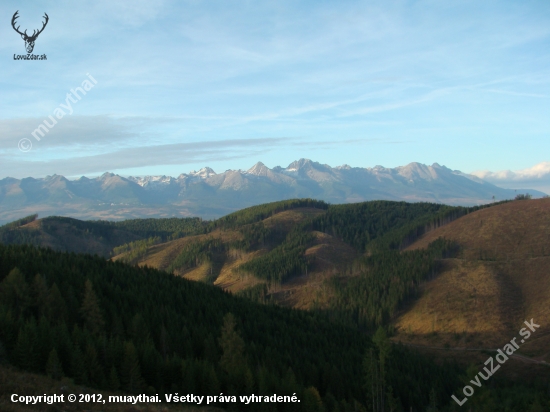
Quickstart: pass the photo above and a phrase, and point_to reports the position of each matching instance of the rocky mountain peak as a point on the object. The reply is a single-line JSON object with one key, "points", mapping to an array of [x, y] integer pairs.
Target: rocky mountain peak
{"points": [[259, 169], [299, 164], [204, 173]]}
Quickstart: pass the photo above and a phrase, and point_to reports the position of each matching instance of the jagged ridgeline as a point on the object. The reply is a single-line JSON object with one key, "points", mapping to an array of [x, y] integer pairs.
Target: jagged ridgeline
{"points": [[113, 326]]}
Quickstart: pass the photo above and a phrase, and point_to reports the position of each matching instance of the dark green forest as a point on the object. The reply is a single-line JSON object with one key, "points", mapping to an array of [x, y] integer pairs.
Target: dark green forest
{"points": [[284, 261], [164, 228], [114, 326], [196, 253], [379, 284], [256, 213]]}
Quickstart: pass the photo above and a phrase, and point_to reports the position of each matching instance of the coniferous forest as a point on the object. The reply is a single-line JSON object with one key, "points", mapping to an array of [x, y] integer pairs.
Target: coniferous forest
{"points": [[121, 327], [113, 326]]}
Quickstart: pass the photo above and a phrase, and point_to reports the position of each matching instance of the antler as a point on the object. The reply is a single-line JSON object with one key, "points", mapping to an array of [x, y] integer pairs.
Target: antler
{"points": [[43, 26], [15, 17]]}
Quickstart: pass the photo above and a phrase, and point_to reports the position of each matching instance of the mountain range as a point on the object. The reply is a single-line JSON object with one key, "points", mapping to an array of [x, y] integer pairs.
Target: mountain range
{"points": [[208, 194]]}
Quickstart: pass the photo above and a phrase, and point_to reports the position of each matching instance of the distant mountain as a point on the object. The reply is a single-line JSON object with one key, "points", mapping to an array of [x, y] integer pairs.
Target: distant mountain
{"points": [[208, 194]]}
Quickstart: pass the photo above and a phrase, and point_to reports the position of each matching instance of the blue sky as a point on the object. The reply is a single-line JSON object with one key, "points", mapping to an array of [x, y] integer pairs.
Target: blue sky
{"points": [[187, 84]]}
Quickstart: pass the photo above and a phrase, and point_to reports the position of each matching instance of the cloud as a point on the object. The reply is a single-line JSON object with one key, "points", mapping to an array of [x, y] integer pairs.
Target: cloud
{"points": [[136, 157], [74, 130], [536, 177], [537, 95]]}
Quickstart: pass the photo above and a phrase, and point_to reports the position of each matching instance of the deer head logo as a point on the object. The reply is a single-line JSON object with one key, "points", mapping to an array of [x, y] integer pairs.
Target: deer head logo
{"points": [[29, 40]]}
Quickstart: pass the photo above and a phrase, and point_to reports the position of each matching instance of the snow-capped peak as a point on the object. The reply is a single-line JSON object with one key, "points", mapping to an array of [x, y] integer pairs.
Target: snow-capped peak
{"points": [[259, 169], [204, 173]]}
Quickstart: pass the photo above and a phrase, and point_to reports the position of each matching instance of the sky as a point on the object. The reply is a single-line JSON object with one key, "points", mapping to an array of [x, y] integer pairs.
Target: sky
{"points": [[173, 86]]}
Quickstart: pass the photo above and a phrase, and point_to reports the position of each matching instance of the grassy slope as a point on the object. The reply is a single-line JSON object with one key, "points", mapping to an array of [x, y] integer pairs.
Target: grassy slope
{"points": [[331, 254], [499, 279]]}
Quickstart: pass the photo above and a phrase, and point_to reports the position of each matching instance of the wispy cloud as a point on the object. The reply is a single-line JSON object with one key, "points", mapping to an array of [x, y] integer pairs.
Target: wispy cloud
{"points": [[426, 74], [396, 104], [537, 176], [512, 93], [137, 157]]}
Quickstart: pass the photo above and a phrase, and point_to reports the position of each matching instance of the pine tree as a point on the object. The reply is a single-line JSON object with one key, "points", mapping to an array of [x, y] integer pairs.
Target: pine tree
{"points": [[210, 349], [232, 345], [213, 384], [15, 292], [248, 381], [54, 369], [164, 342], [130, 370], [372, 379], [24, 354], [312, 400], [188, 375], [378, 390], [40, 293], [433, 401], [56, 308], [394, 404], [93, 368], [43, 344], [78, 367], [91, 311], [114, 382]]}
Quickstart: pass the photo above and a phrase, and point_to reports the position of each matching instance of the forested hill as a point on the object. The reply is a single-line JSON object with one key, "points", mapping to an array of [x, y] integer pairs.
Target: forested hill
{"points": [[298, 253], [500, 269], [95, 237], [118, 327], [361, 223], [286, 252], [133, 328]]}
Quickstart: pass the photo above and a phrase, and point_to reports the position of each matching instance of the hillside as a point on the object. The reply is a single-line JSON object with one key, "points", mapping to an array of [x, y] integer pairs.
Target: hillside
{"points": [[93, 237], [66, 234], [113, 327], [463, 294], [94, 320], [284, 252], [222, 267], [498, 279]]}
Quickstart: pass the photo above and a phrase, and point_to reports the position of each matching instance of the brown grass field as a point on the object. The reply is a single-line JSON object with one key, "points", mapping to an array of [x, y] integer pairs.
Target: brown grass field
{"points": [[499, 279]]}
